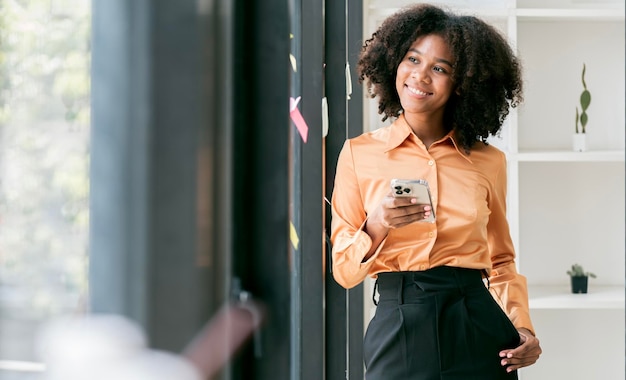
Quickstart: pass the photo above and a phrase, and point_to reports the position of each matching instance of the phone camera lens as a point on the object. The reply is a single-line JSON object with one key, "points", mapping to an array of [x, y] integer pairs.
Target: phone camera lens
{"points": [[398, 188], [399, 192], [407, 190]]}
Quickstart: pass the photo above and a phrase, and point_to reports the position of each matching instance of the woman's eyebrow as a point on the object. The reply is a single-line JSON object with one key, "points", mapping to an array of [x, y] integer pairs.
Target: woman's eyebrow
{"points": [[440, 60]]}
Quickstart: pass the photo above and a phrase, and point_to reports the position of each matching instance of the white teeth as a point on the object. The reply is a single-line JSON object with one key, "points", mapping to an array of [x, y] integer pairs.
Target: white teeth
{"points": [[417, 92]]}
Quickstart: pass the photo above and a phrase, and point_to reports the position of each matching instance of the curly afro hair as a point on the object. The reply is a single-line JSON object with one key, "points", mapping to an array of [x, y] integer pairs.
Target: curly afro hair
{"points": [[486, 75]]}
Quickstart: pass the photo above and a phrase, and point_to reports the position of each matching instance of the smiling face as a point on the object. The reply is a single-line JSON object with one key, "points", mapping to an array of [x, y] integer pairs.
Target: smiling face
{"points": [[424, 77]]}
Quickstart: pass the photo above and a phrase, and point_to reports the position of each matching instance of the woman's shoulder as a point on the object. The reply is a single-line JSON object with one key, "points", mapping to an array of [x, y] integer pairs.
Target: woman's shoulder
{"points": [[487, 155], [370, 139], [487, 149]]}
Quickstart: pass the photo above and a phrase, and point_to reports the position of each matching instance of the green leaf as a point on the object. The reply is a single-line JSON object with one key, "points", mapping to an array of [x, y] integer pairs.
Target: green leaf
{"points": [[585, 99], [584, 69], [583, 120]]}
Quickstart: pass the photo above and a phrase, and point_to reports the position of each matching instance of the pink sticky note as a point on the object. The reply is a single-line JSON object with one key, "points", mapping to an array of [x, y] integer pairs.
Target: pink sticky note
{"points": [[297, 118]]}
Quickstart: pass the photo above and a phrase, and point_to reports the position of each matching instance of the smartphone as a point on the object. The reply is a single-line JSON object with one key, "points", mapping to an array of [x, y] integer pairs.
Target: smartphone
{"points": [[415, 188]]}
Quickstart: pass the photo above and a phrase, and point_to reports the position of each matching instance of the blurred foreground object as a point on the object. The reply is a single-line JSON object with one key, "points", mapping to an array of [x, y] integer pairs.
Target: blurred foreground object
{"points": [[224, 335], [104, 346], [101, 346]]}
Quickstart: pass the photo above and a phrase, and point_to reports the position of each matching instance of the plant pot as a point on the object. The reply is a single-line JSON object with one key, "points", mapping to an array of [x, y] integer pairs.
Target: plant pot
{"points": [[579, 284], [579, 142]]}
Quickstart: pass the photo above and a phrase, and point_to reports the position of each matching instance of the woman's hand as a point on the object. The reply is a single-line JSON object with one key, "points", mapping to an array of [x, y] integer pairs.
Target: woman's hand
{"points": [[393, 213], [523, 355], [397, 212]]}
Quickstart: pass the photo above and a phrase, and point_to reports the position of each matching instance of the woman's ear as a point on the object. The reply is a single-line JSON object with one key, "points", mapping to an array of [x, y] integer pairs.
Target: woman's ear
{"points": [[458, 91]]}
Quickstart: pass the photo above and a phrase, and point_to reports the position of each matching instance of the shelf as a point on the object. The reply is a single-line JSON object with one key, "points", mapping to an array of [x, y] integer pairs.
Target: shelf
{"points": [[537, 14], [381, 11], [569, 156], [560, 297]]}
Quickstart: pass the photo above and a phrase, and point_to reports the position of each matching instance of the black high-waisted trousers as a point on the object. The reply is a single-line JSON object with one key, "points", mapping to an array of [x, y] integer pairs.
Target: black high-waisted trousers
{"points": [[438, 324]]}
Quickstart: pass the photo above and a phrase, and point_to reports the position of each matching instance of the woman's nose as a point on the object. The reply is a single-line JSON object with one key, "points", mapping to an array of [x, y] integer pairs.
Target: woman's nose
{"points": [[422, 74]]}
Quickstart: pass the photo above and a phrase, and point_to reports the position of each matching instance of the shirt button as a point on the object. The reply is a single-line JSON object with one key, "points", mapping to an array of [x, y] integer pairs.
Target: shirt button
{"points": [[431, 234], [431, 162], [422, 267]]}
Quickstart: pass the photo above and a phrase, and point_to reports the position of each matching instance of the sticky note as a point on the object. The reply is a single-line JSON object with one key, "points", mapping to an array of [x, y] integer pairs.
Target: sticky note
{"points": [[293, 235], [348, 81], [324, 117], [294, 64], [297, 118]]}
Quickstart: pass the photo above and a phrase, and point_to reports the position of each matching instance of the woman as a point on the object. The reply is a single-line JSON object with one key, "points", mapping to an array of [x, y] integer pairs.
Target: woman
{"points": [[447, 81]]}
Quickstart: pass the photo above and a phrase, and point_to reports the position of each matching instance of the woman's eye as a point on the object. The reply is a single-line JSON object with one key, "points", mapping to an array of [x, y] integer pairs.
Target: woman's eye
{"points": [[439, 69], [413, 59]]}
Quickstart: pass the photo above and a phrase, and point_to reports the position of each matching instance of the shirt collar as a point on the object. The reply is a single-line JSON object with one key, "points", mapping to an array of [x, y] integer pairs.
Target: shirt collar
{"points": [[400, 130]]}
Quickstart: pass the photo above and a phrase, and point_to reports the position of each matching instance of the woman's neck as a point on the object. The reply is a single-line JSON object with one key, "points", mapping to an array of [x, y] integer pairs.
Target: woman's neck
{"points": [[429, 129]]}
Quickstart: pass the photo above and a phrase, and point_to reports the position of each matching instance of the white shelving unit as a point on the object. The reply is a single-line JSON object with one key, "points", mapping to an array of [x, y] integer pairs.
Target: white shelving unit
{"points": [[564, 207], [569, 156], [603, 297]]}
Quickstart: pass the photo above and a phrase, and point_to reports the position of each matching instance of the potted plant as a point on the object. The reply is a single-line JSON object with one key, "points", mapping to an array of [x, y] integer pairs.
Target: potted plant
{"points": [[579, 138], [579, 278]]}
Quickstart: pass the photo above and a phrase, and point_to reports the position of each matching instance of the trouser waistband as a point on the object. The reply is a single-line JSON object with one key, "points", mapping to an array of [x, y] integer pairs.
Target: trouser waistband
{"points": [[395, 284]]}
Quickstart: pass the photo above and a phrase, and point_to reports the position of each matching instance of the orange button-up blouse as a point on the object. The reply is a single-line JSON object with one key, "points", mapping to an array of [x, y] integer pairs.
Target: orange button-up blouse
{"points": [[469, 199]]}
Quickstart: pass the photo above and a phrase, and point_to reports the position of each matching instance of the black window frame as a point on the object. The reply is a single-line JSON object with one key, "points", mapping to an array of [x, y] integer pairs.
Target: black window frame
{"points": [[188, 87]]}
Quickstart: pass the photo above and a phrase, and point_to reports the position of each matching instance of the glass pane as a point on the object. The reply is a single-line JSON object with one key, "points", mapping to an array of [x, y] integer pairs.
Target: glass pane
{"points": [[295, 173], [44, 163]]}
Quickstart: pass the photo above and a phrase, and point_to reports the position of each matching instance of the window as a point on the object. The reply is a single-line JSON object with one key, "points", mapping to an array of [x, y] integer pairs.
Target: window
{"points": [[44, 154]]}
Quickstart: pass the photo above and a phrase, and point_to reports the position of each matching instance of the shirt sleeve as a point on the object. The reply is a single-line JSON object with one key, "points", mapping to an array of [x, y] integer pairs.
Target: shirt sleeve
{"points": [[349, 242], [507, 286]]}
